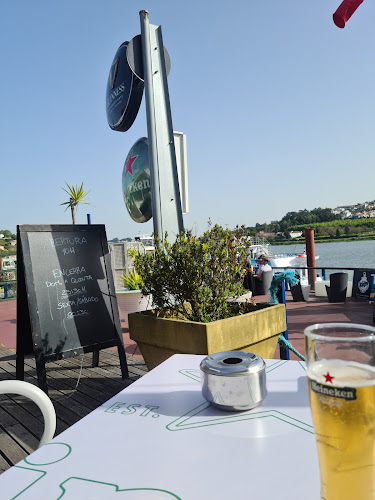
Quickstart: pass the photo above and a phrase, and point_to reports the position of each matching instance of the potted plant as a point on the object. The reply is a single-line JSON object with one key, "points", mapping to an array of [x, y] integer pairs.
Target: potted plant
{"points": [[131, 299], [194, 283]]}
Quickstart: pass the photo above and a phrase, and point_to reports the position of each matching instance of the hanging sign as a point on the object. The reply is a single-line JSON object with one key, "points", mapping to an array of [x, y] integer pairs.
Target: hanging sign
{"points": [[124, 92], [136, 184]]}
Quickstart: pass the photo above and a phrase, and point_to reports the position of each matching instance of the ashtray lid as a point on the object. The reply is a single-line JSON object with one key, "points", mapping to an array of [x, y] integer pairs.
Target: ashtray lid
{"points": [[232, 363]]}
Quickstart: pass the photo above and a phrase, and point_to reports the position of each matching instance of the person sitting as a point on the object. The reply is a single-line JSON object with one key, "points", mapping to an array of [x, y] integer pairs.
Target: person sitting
{"points": [[247, 274], [259, 287], [263, 266]]}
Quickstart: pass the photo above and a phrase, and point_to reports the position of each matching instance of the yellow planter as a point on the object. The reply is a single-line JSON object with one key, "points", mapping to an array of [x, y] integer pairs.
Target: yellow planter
{"points": [[159, 338]]}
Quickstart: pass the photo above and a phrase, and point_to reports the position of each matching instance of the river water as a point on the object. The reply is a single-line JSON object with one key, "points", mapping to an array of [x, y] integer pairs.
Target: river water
{"points": [[337, 254]]}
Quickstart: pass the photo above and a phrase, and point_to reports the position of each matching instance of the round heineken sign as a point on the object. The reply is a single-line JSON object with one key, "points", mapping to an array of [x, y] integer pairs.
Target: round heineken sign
{"points": [[136, 185], [124, 92]]}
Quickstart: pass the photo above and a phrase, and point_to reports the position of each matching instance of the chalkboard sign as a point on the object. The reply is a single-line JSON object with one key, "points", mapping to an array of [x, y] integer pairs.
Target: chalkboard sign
{"points": [[66, 302]]}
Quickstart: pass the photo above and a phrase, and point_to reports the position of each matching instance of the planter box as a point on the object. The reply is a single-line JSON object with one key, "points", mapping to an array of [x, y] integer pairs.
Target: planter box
{"points": [[159, 338], [132, 301]]}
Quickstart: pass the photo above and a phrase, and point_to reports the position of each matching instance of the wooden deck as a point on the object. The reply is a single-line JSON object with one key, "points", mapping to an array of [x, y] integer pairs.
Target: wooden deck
{"points": [[21, 422]]}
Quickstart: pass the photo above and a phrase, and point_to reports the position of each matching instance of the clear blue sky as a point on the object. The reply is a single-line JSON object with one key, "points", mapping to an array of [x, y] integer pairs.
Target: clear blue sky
{"points": [[277, 104]]}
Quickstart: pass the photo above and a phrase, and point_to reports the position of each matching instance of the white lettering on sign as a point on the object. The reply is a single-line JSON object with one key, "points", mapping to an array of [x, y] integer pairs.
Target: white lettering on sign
{"points": [[66, 251], [57, 273], [52, 283], [82, 278], [74, 314], [138, 186], [76, 240], [86, 300], [63, 305], [74, 291], [115, 93]]}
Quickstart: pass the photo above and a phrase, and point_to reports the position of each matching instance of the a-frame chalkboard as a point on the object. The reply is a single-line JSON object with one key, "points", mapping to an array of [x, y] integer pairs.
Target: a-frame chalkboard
{"points": [[66, 301]]}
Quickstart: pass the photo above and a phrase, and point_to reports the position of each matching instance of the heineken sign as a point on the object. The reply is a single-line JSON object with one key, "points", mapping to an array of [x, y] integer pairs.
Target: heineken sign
{"points": [[124, 92], [136, 185]]}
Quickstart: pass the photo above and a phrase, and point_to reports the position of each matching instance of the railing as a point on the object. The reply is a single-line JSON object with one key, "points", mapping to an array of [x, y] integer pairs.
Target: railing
{"points": [[8, 284], [324, 269]]}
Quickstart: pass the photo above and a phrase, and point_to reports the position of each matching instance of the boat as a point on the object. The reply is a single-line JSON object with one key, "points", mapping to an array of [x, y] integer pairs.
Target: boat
{"points": [[147, 241], [278, 262]]}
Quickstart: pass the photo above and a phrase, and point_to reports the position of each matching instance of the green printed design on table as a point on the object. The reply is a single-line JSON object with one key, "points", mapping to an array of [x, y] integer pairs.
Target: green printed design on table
{"points": [[195, 418], [66, 451], [40, 473], [131, 409], [123, 494], [91, 487]]}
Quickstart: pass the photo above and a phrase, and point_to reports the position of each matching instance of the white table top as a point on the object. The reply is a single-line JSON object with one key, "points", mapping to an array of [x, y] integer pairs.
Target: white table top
{"points": [[159, 439]]}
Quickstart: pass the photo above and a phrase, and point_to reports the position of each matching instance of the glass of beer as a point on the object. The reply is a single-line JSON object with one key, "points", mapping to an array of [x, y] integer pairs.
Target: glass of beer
{"points": [[340, 359]]}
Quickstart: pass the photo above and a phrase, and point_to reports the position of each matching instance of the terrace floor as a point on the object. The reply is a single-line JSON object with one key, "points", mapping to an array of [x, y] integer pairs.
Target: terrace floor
{"points": [[76, 388]]}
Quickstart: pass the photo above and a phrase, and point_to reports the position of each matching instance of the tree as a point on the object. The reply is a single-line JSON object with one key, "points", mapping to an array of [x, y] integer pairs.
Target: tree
{"points": [[77, 196]]}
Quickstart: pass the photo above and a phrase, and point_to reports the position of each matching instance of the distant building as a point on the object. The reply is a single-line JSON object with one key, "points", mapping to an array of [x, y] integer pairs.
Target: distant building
{"points": [[262, 234], [8, 263], [295, 234]]}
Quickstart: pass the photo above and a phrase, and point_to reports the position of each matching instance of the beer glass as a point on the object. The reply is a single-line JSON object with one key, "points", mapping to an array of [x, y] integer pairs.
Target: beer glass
{"points": [[340, 359]]}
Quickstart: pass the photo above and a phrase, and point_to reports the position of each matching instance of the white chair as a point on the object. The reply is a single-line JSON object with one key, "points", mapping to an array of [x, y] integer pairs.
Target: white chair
{"points": [[40, 398]]}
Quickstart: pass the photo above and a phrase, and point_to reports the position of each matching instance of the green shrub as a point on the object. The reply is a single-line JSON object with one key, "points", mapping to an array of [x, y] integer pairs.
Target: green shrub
{"points": [[193, 277]]}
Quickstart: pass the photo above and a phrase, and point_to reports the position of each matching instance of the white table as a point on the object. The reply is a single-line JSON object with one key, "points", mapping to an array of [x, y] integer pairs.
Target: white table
{"points": [[160, 440]]}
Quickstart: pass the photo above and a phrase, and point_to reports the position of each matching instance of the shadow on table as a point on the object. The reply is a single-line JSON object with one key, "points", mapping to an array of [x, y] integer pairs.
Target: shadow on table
{"points": [[184, 402]]}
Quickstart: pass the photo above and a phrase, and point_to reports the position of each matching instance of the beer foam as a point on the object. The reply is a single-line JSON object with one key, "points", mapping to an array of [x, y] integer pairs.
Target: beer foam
{"points": [[343, 373]]}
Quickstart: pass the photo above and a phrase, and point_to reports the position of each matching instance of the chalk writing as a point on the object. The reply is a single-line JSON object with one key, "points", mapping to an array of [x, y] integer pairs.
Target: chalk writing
{"points": [[66, 251], [76, 240], [57, 273], [74, 291], [80, 312], [81, 279], [85, 300], [52, 283], [63, 305]]}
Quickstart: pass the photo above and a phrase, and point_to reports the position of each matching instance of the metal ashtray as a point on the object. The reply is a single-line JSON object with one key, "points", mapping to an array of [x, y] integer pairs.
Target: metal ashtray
{"points": [[233, 380]]}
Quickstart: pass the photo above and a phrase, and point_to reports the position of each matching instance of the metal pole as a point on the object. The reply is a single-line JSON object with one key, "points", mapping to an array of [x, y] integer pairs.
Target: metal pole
{"points": [[151, 125], [284, 351], [310, 251]]}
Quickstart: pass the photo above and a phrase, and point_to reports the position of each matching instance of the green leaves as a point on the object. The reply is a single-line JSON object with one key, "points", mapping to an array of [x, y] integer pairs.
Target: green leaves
{"points": [[132, 280], [194, 277], [77, 196]]}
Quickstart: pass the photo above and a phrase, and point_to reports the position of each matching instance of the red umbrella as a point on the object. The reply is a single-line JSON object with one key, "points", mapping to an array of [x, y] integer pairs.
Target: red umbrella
{"points": [[345, 12]]}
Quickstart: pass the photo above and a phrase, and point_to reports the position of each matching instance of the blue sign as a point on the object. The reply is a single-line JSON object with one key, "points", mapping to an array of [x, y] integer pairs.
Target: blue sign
{"points": [[364, 285], [124, 92]]}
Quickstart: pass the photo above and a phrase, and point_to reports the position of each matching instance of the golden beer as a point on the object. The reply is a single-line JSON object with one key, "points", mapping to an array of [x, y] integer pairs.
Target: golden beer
{"points": [[342, 398]]}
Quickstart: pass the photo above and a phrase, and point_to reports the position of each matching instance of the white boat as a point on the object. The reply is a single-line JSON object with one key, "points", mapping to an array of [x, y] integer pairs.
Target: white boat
{"points": [[147, 241], [278, 262]]}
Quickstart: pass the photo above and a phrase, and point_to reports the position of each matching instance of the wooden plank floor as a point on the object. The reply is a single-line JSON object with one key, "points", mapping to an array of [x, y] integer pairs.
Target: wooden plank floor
{"points": [[21, 422]]}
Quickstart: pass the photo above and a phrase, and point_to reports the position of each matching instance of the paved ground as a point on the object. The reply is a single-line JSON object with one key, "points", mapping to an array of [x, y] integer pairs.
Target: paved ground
{"points": [[8, 316], [299, 315]]}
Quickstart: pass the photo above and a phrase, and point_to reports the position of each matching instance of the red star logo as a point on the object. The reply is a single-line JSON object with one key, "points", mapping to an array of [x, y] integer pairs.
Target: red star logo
{"points": [[129, 163], [328, 377]]}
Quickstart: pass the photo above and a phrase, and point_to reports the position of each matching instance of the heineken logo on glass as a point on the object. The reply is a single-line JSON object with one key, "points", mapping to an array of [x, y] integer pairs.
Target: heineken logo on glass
{"points": [[347, 393], [136, 185], [124, 92]]}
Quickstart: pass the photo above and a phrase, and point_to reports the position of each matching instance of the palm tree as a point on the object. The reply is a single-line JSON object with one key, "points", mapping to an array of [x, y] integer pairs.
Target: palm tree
{"points": [[77, 196]]}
